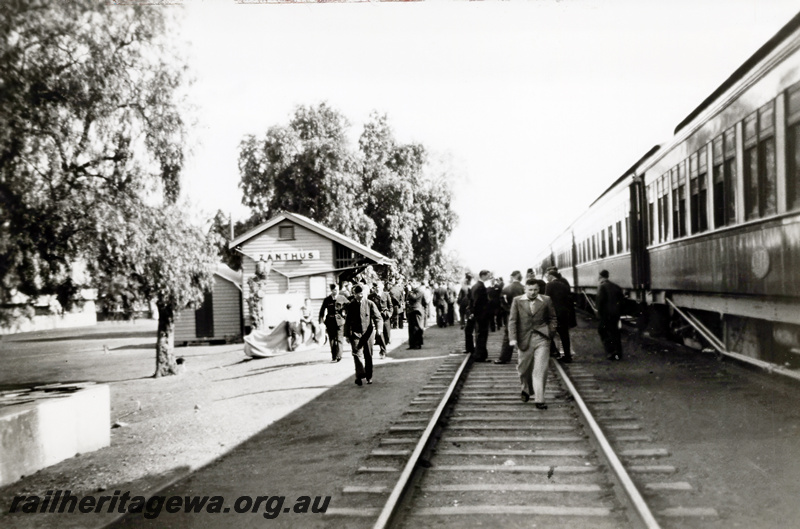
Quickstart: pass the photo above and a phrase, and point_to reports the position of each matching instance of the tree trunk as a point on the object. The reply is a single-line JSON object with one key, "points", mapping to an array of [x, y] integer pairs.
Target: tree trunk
{"points": [[165, 359]]}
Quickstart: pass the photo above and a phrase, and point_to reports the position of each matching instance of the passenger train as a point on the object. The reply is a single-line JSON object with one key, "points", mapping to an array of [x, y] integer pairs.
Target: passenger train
{"points": [[703, 232]]}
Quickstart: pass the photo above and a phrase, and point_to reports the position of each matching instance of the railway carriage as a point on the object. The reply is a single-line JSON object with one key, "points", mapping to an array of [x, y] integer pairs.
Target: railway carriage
{"points": [[705, 229]]}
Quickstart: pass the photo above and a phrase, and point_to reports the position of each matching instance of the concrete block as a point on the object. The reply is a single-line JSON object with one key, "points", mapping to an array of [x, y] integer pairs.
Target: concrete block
{"points": [[48, 424]]}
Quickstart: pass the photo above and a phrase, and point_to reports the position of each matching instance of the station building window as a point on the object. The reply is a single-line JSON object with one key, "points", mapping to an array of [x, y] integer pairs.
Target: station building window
{"points": [[285, 233], [793, 147], [760, 173]]}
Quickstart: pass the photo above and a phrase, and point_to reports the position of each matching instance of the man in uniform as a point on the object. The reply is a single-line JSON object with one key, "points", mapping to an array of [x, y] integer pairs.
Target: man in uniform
{"points": [[609, 309], [440, 302], [463, 301], [332, 314], [361, 322]]}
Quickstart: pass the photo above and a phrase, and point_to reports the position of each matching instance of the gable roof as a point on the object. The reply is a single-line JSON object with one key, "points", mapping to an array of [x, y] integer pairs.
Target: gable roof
{"points": [[229, 274], [315, 227]]}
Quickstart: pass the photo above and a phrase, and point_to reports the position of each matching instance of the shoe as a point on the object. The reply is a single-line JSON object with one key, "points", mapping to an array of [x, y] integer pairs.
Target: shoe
{"points": [[358, 382], [565, 359], [525, 397], [541, 406], [339, 359], [369, 381], [555, 354], [333, 361], [614, 357], [501, 361]]}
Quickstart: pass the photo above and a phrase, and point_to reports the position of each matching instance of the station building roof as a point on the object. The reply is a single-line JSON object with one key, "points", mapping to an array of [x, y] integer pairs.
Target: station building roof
{"points": [[315, 227]]}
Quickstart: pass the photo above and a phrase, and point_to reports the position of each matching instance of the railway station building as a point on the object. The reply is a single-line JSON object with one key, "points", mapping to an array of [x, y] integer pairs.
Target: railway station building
{"points": [[300, 258]]}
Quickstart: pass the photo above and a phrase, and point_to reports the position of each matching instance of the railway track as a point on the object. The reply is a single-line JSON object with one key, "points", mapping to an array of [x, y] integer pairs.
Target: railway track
{"points": [[468, 453]]}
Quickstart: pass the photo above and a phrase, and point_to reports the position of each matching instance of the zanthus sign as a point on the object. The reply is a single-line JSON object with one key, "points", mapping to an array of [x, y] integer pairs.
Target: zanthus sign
{"points": [[295, 255]]}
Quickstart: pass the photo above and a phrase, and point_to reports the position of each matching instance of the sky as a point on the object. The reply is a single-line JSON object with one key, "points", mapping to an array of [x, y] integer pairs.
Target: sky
{"points": [[536, 106]]}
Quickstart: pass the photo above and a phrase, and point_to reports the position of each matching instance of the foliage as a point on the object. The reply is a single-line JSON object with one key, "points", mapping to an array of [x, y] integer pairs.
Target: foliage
{"points": [[387, 196], [306, 168], [92, 140], [90, 115], [153, 253]]}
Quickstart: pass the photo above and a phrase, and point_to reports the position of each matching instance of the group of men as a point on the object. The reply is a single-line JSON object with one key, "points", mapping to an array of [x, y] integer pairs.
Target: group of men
{"points": [[358, 314], [535, 313]]}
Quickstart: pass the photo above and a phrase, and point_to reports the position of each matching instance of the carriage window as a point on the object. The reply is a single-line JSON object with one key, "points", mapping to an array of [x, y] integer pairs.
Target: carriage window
{"points": [[618, 233], [724, 174], [651, 211], [760, 174], [793, 147], [663, 205], [610, 241], [699, 192], [678, 202]]}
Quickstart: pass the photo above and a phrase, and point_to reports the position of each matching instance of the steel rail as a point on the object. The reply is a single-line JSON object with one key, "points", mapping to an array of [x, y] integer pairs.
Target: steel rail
{"points": [[391, 505], [628, 486]]}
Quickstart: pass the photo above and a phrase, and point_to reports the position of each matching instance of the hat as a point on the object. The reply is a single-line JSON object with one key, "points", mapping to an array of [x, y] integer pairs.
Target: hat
{"points": [[604, 273], [552, 270]]}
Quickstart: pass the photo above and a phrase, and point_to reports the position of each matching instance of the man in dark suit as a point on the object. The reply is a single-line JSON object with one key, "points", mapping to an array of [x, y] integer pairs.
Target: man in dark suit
{"points": [[531, 325], [479, 311], [559, 293], [332, 314], [363, 319], [609, 310], [511, 291]]}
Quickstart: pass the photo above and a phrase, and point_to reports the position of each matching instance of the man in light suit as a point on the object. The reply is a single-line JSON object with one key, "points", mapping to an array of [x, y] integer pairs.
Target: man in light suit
{"points": [[363, 319], [531, 325]]}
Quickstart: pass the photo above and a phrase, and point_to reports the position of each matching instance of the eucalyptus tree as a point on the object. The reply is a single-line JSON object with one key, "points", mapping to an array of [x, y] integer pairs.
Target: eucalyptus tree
{"points": [[92, 137]]}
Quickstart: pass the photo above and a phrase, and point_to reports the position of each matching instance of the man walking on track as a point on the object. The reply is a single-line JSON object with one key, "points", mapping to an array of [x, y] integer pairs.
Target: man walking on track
{"points": [[609, 309], [531, 325], [510, 291], [332, 314], [479, 311], [561, 297], [363, 319]]}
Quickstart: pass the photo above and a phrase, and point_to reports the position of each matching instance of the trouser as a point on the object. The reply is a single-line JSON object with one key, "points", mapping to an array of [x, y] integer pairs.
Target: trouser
{"points": [[395, 314], [415, 330], [505, 349], [401, 316], [452, 312], [563, 333], [611, 337], [462, 310], [387, 332], [481, 337], [532, 366], [380, 340], [291, 335], [335, 338], [362, 354], [441, 316], [469, 341]]}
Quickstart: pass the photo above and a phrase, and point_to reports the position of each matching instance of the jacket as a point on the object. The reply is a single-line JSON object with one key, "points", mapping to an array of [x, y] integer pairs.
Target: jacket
{"points": [[523, 324]]}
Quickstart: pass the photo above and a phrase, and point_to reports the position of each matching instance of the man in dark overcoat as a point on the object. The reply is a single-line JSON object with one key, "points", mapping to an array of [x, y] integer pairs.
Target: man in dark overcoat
{"points": [[362, 320], [510, 291], [561, 297], [440, 302], [609, 310], [479, 311], [415, 314]]}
